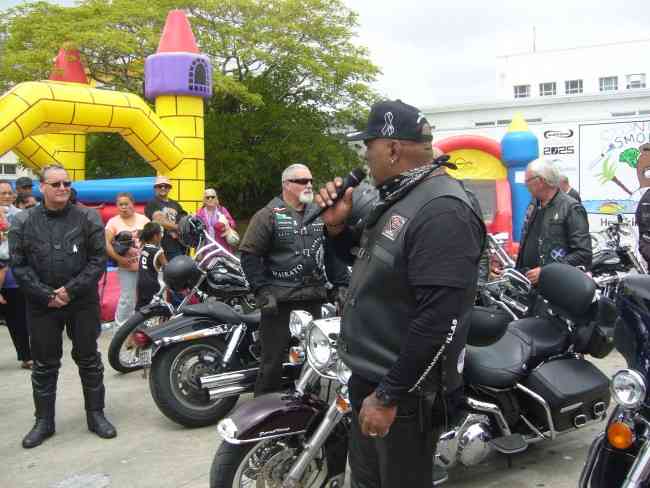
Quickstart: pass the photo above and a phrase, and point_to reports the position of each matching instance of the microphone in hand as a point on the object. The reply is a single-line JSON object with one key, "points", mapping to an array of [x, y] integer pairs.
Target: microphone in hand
{"points": [[350, 181]]}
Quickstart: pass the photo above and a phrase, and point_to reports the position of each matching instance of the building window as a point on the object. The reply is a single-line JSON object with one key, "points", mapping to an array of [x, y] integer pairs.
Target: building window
{"points": [[608, 83], [572, 87], [635, 81], [9, 169], [522, 91], [547, 89]]}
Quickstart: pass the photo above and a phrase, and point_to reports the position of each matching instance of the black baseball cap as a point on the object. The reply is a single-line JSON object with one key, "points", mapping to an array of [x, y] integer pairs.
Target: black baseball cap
{"points": [[394, 119], [24, 182]]}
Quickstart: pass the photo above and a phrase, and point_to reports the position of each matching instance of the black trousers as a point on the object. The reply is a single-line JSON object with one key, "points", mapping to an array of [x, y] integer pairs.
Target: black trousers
{"points": [[15, 314], [404, 458], [274, 337], [46, 325]]}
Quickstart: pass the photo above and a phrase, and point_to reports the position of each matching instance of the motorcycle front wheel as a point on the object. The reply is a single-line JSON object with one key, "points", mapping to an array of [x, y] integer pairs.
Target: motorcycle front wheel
{"points": [[265, 465], [122, 353], [175, 384]]}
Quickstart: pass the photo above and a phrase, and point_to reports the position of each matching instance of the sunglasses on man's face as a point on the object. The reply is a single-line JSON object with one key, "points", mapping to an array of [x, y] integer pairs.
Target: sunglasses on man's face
{"points": [[59, 184], [163, 186], [301, 181]]}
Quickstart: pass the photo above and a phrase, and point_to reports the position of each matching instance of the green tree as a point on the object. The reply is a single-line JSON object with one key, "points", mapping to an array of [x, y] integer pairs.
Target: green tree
{"points": [[288, 79]]}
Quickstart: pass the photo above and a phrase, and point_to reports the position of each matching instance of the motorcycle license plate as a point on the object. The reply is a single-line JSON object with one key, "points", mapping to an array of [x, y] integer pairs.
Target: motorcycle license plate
{"points": [[144, 357]]}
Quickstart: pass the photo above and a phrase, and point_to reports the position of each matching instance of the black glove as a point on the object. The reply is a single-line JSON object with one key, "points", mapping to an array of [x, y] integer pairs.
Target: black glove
{"points": [[266, 302]]}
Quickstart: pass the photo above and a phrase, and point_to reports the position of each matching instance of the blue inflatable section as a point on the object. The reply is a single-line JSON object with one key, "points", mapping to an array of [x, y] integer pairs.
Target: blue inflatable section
{"points": [[518, 148], [105, 191]]}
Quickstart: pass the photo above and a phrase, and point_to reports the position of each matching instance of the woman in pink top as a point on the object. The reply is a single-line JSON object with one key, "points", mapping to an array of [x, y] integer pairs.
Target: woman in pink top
{"points": [[130, 221], [216, 218]]}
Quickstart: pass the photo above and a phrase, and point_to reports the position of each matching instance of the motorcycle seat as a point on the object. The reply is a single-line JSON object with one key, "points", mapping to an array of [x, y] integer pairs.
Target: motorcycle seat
{"points": [[526, 344], [500, 365], [222, 313], [545, 337]]}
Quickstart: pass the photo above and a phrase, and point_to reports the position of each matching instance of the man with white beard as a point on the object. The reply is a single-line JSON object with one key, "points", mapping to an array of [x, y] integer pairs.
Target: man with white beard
{"points": [[285, 264]]}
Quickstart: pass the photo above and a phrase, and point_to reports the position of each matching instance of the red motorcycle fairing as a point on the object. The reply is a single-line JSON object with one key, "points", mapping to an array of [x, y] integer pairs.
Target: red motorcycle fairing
{"points": [[274, 415]]}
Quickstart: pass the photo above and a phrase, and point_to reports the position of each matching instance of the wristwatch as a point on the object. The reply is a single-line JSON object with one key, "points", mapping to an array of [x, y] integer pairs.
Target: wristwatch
{"points": [[384, 398]]}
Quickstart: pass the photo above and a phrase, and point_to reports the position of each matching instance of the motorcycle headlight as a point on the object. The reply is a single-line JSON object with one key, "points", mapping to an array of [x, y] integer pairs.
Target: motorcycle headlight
{"points": [[628, 389], [319, 348], [298, 322], [343, 373]]}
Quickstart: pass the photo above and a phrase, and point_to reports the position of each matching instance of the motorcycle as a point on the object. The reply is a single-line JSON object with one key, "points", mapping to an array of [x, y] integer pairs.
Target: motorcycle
{"points": [[619, 457], [614, 255], [526, 381], [222, 281]]}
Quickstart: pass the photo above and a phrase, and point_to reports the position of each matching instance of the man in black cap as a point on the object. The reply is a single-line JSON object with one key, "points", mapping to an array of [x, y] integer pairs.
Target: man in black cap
{"points": [[24, 186], [404, 321]]}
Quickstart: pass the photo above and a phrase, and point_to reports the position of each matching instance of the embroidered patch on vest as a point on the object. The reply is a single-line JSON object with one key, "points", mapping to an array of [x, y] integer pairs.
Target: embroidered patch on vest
{"points": [[394, 226]]}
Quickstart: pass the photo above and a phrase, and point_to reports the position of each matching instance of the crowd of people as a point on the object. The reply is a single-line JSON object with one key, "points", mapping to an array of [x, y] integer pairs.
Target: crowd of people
{"points": [[53, 253]]}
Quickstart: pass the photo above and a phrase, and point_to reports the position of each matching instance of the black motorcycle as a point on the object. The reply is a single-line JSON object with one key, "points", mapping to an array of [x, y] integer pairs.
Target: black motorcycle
{"points": [[620, 456], [526, 381], [223, 280]]}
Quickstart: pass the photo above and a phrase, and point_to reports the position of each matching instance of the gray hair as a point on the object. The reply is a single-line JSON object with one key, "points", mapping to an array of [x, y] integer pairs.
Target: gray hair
{"points": [[564, 179], [50, 167], [546, 171], [287, 174]]}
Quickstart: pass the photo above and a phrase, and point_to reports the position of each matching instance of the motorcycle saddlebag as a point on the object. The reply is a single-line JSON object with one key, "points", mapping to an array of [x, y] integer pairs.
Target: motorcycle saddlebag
{"points": [[575, 390]]}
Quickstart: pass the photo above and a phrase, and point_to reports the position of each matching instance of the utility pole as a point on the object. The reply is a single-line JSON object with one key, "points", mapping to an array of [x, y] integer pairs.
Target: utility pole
{"points": [[534, 39]]}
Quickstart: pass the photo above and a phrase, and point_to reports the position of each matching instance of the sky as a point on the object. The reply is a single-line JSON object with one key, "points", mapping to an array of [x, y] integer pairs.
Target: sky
{"points": [[440, 53]]}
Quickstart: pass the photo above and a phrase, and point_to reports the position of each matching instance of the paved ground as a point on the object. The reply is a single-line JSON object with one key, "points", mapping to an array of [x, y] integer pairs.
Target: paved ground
{"points": [[151, 451]]}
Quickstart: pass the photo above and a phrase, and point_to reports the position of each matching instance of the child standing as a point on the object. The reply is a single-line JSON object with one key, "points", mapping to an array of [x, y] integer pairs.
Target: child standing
{"points": [[152, 259]]}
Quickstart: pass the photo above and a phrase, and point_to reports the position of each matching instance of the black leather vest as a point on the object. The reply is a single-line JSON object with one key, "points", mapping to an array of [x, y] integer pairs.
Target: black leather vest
{"points": [[380, 302], [297, 255]]}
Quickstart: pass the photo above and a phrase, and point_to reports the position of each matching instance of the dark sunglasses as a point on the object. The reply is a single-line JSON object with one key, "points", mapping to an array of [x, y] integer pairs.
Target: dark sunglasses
{"points": [[59, 184], [301, 181], [210, 197], [162, 186]]}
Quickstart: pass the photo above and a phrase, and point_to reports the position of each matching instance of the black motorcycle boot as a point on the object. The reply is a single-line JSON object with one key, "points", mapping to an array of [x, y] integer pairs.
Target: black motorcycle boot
{"points": [[91, 372], [99, 424], [44, 379]]}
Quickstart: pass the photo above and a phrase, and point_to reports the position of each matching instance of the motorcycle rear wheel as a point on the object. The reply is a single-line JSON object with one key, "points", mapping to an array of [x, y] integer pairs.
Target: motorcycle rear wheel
{"points": [[122, 356], [263, 464], [175, 387]]}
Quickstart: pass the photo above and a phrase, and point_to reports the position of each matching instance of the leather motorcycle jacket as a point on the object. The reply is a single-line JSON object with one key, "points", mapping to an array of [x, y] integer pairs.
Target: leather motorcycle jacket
{"points": [[564, 236], [50, 249], [380, 300]]}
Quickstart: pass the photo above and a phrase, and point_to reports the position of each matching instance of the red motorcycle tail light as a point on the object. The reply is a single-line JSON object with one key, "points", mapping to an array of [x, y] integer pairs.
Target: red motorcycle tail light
{"points": [[620, 435], [141, 339]]}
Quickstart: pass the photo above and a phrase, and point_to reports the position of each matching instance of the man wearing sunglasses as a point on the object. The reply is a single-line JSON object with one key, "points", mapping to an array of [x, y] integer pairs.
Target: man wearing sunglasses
{"points": [[168, 213], [285, 265], [58, 255]]}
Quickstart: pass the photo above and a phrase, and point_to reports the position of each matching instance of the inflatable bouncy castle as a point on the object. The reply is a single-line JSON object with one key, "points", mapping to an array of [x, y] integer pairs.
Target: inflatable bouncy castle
{"points": [[46, 122], [494, 171]]}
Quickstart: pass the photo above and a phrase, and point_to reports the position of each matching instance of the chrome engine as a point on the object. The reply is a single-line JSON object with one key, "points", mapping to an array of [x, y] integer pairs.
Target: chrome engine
{"points": [[467, 444]]}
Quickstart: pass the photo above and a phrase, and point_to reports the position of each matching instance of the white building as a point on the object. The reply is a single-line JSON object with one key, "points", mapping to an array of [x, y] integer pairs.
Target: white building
{"points": [[10, 169], [604, 68], [586, 106]]}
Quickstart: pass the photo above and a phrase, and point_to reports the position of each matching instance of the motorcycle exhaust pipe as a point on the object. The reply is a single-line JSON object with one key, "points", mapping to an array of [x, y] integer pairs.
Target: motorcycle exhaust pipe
{"points": [[228, 391], [230, 378], [237, 382]]}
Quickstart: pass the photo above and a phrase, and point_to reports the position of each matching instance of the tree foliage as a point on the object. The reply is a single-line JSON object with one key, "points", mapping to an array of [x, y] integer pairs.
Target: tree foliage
{"points": [[288, 79]]}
